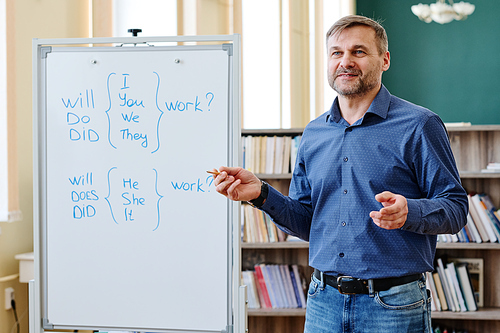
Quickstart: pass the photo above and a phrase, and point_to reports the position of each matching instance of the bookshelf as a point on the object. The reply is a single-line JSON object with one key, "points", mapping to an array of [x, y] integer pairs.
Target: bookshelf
{"points": [[473, 147], [275, 320]]}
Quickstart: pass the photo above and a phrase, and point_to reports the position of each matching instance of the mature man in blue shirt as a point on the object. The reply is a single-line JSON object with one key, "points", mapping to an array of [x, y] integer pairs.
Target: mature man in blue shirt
{"points": [[375, 181]]}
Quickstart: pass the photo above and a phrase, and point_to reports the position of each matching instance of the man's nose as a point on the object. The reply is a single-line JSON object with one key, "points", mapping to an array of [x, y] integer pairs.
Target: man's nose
{"points": [[347, 61]]}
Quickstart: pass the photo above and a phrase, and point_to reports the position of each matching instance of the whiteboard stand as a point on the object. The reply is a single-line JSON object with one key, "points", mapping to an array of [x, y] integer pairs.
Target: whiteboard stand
{"points": [[62, 153], [243, 309]]}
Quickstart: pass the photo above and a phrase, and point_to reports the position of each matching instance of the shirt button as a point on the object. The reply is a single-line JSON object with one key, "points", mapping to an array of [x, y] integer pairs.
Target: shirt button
{"points": [[341, 255], [345, 191], [349, 129], [345, 159], [343, 223]]}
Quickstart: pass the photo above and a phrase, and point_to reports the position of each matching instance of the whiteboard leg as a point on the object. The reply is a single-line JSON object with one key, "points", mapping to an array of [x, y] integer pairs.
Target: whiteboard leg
{"points": [[33, 327], [243, 315]]}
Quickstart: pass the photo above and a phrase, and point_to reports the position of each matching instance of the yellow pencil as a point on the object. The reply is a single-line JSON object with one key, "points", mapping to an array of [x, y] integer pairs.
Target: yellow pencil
{"points": [[214, 172]]}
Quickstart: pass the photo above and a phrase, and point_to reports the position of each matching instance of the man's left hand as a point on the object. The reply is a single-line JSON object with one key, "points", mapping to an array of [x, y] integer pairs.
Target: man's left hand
{"points": [[393, 214]]}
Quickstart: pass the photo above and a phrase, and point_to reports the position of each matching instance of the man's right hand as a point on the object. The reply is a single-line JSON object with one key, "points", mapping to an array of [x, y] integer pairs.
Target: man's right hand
{"points": [[237, 184]]}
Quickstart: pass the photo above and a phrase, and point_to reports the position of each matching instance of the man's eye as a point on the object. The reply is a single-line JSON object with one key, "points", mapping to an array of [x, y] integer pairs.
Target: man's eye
{"points": [[359, 52], [336, 54]]}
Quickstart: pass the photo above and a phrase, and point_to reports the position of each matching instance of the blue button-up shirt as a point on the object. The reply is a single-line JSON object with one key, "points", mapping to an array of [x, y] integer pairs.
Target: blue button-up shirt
{"points": [[398, 147]]}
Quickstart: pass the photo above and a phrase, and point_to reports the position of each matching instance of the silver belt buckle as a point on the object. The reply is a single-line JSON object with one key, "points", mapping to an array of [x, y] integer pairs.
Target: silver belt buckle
{"points": [[339, 284]]}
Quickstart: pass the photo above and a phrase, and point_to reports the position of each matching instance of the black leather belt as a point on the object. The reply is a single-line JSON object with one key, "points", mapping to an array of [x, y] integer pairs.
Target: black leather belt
{"points": [[350, 285]]}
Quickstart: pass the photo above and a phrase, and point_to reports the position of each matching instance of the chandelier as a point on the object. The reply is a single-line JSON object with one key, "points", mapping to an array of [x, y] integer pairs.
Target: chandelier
{"points": [[441, 12]]}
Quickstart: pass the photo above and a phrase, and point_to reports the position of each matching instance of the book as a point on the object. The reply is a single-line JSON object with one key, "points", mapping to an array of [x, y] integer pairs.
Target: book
{"points": [[261, 226], [286, 154], [257, 227], [278, 156], [435, 304], [458, 124], [440, 291], [279, 286], [452, 295], [475, 267], [294, 150], [288, 287], [472, 229], [247, 278], [483, 217], [295, 289], [269, 287], [456, 290], [445, 284], [492, 167], [477, 220], [262, 154], [271, 228], [258, 291], [298, 282], [490, 210], [270, 153], [263, 288], [466, 285]]}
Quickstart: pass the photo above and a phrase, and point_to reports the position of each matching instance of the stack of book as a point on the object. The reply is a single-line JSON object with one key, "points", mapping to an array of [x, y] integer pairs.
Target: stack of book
{"points": [[258, 227], [483, 222], [455, 287], [492, 167], [270, 154], [275, 286]]}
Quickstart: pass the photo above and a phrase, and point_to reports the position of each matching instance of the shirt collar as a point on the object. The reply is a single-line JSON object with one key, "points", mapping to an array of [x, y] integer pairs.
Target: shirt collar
{"points": [[379, 106]]}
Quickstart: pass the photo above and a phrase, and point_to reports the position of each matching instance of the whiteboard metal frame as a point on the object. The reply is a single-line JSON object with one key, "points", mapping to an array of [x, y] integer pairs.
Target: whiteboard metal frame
{"points": [[237, 296]]}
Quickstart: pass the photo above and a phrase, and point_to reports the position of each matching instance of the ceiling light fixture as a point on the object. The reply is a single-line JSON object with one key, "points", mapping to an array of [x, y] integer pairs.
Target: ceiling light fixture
{"points": [[442, 12]]}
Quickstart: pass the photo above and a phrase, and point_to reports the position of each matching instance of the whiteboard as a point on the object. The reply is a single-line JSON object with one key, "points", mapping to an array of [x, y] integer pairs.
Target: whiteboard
{"points": [[134, 235]]}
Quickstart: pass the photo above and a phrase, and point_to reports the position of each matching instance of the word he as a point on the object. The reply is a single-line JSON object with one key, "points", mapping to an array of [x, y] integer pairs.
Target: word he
{"points": [[131, 199]]}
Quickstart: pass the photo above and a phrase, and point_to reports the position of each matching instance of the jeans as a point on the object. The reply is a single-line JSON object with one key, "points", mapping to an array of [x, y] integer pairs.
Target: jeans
{"points": [[404, 308]]}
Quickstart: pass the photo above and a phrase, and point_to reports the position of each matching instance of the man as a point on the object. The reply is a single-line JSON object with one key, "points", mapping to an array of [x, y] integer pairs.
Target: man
{"points": [[375, 181]]}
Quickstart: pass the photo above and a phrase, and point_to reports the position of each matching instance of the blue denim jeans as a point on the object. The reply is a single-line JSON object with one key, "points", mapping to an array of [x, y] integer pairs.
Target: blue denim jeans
{"points": [[401, 309]]}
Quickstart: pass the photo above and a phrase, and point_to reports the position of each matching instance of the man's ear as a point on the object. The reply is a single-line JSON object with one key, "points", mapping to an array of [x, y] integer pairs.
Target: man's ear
{"points": [[387, 61]]}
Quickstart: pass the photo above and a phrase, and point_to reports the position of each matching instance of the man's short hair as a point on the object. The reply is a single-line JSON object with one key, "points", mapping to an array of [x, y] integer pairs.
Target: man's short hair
{"points": [[355, 20]]}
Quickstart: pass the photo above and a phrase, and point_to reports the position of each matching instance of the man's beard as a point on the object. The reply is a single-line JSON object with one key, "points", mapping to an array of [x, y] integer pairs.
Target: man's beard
{"points": [[359, 88]]}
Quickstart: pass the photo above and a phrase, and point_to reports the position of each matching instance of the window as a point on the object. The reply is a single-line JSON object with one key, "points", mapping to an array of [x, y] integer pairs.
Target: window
{"points": [[155, 18], [4, 177], [332, 11], [284, 80], [9, 199], [261, 63]]}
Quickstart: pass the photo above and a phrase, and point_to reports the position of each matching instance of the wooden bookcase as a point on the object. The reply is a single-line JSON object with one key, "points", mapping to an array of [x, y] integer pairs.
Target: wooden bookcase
{"points": [[473, 148]]}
